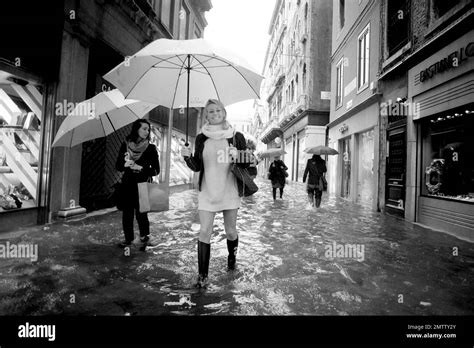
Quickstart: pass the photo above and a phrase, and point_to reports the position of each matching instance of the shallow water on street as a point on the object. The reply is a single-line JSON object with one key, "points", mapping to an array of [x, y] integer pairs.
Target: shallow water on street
{"points": [[283, 267]]}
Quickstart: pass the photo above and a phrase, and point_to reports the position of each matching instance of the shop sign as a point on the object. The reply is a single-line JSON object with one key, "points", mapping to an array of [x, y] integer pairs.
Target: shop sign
{"points": [[451, 61]]}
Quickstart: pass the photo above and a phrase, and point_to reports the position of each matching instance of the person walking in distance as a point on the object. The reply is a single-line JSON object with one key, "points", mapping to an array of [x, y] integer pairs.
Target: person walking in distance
{"points": [[218, 190], [315, 169], [277, 173], [138, 159]]}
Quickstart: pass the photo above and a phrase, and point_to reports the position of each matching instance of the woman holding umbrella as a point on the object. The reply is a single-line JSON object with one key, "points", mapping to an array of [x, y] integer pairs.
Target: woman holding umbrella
{"points": [[315, 167], [217, 184], [277, 173], [138, 159]]}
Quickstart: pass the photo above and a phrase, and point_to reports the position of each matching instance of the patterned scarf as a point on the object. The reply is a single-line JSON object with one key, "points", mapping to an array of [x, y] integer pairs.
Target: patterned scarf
{"points": [[215, 131], [136, 150]]}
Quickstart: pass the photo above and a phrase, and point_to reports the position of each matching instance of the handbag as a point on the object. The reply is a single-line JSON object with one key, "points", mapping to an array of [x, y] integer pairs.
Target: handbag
{"points": [[153, 197], [324, 182], [245, 184]]}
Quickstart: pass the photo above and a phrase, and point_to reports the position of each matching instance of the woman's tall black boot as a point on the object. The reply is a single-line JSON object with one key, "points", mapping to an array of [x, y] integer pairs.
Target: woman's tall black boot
{"points": [[204, 254], [274, 193], [232, 246]]}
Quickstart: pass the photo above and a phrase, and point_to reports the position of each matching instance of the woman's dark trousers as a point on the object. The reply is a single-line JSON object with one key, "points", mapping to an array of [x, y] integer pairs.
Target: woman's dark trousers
{"points": [[127, 222], [275, 192]]}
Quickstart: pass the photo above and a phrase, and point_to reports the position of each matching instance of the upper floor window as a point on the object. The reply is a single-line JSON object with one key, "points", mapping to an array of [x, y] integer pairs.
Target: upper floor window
{"points": [[339, 81], [166, 13], [183, 22], [342, 9], [398, 24], [363, 58]]}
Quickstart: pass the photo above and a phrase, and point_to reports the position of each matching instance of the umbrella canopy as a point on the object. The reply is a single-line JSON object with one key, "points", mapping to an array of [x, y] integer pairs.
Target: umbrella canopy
{"points": [[185, 73], [98, 117], [272, 152], [321, 150]]}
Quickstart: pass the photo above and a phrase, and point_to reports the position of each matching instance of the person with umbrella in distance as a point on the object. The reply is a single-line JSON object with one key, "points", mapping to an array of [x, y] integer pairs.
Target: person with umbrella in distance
{"points": [[139, 161], [315, 168], [217, 184], [277, 173]]}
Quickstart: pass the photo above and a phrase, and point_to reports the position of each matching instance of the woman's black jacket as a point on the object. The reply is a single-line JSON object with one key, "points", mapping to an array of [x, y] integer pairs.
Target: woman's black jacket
{"points": [[195, 162], [315, 168], [149, 161]]}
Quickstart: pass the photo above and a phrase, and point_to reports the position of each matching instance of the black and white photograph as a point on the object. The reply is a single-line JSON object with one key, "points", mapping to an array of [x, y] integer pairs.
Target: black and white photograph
{"points": [[237, 172]]}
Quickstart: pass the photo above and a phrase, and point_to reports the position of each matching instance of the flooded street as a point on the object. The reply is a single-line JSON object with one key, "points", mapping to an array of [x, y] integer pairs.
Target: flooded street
{"points": [[341, 259]]}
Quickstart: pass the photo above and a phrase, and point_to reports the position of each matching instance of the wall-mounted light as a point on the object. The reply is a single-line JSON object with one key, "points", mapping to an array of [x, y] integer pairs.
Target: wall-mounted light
{"points": [[401, 100]]}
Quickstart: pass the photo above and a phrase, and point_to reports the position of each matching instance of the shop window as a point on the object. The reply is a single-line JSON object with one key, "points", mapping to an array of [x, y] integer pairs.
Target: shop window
{"points": [[301, 165], [398, 24], [179, 172], [20, 139], [448, 150]]}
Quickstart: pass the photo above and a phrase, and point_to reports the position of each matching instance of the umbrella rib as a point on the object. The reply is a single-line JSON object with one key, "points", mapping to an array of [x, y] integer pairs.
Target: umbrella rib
{"points": [[161, 60], [212, 80], [110, 121], [205, 61], [176, 86], [126, 106], [238, 72]]}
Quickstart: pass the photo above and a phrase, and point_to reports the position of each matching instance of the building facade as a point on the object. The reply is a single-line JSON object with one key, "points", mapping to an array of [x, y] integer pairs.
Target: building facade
{"points": [[354, 126], [86, 39], [297, 81], [427, 79]]}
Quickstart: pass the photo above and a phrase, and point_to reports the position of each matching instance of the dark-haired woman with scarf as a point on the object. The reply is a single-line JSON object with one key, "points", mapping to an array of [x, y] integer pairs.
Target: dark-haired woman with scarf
{"points": [[138, 159]]}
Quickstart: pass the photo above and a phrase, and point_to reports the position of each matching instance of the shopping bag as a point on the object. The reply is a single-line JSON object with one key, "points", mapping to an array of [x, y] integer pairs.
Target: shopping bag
{"points": [[153, 197]]}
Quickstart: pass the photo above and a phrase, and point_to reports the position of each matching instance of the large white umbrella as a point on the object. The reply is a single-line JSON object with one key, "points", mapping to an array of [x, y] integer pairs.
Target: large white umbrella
{"points": [[98, 117], [185, 73]]}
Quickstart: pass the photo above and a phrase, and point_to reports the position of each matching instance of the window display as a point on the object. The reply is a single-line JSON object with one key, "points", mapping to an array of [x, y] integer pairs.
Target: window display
{"points": [[302, 157], [179, 171], [366, 175], [20, 126], [448, 150]]}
